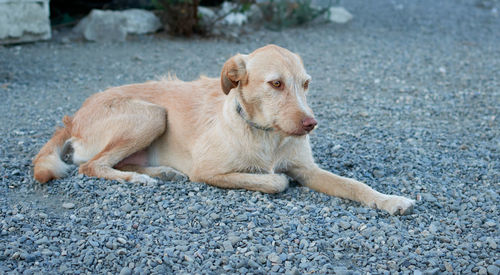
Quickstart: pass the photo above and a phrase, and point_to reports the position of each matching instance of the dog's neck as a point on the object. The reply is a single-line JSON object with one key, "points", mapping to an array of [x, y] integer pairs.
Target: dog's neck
{"points": [[243, 115]]}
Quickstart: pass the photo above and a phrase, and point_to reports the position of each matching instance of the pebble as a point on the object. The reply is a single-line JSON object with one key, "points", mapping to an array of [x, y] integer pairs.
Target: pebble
{"points": [[378, 173], [125, 271], [491, 242], [274, 258], [227, 246], [344, 224], [121, 240], [493, 270], [233, 239], [428, 197], [68, 205], [490, 223], [127, 208], [188, 258], [253, 264], [121, 251]]}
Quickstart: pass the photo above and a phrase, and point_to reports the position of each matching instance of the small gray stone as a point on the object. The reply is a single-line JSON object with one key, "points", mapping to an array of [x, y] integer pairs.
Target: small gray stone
{"points": [[233, 239], [253, 264], [109, 245], [378, 173], [188, 258], [19, 217], [88, 259], [493, 270], [68, 205], [428, 197], [433, 228], [125, 271], [121, 240], [341, 270], [304, 243], [127, 208], [344, 224], [274, 258], [433, 271], [42, 240], [242, 217], [121, 251], [491, 242], [227, 246], [490, 223], [294, 271]]}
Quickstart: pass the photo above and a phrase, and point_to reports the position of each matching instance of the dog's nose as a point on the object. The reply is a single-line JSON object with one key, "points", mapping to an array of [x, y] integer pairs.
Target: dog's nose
{"points": [[309, 123]]}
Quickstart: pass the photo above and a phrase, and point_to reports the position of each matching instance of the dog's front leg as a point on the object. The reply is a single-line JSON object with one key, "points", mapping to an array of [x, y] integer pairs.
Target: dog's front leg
{"points": [[331, 184], [266, 183]]}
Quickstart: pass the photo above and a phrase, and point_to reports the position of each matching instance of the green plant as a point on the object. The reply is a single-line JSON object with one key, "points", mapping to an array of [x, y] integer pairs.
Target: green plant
{"points": [[160, 4], [280, 14], [179, 16], [240, 6]]}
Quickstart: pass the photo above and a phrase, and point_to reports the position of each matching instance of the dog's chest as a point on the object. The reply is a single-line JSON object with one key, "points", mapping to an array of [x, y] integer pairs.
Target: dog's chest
{"points": [[262, 156]]}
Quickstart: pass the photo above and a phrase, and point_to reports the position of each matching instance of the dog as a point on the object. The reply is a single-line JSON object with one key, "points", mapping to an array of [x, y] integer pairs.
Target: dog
{"points": [[247, 130]]}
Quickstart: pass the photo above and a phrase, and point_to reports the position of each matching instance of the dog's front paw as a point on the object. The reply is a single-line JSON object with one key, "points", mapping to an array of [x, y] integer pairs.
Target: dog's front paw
{"points": [[142, 179], [276, 183], [396, 205]]}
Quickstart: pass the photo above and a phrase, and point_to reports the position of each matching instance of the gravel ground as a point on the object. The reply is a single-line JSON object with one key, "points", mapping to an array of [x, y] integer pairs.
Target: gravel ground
{"points": [[407, 96]]}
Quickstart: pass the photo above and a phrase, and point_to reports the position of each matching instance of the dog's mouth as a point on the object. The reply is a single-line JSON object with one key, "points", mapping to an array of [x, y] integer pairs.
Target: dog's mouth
{"points": [[296, 133]]}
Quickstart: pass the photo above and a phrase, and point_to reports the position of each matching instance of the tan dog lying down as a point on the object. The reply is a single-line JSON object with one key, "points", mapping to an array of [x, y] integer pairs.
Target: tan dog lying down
{"points": [[246, 130]]}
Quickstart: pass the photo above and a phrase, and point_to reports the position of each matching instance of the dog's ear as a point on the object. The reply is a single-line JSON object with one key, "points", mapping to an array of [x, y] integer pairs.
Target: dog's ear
{"points": [[233, 73]]}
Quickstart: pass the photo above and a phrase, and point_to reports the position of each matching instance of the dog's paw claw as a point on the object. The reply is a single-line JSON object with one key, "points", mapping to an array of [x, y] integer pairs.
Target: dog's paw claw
{"points": [[397, 205]]}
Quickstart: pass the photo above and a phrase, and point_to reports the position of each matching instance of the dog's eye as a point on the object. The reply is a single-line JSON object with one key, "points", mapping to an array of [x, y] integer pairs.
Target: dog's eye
{"points": [[276, 84], [306, 85]]}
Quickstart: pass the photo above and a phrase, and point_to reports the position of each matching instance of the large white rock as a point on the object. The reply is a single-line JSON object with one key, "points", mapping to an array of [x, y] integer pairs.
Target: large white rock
{"points": [[204, 12], [339, 15], [237, 19], [141, 21], [206, 16], [101, 25], [233, 18], [24, 20]]}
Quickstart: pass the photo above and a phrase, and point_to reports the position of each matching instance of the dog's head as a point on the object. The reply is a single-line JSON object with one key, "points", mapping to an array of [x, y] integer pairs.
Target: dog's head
{"points": [[272, 85]]}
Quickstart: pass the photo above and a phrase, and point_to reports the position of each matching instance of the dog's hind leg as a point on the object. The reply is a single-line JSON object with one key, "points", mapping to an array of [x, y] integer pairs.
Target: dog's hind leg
{"points": [[129, 127]]}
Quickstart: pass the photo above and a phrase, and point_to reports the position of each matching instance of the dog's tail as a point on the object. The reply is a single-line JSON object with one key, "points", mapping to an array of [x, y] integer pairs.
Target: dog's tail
{"points": [[48, 164]]}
